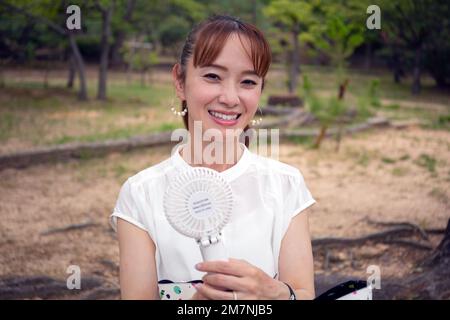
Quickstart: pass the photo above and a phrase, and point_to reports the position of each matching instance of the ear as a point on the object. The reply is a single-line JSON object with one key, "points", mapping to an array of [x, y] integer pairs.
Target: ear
{"points": [[179, 86]]}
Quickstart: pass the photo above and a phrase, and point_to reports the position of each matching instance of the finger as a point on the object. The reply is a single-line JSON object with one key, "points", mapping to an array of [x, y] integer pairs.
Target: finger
{"points": [[234, 268], [211, 293], [219, 280], [198, 296]]}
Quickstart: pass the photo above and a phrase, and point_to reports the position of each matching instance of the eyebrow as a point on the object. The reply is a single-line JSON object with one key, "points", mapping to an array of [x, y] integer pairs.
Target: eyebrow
{"points": [[218, 66]]}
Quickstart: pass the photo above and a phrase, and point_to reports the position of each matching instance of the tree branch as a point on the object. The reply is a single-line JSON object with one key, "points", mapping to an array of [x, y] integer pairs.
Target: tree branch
{"points": [[45, 21]]}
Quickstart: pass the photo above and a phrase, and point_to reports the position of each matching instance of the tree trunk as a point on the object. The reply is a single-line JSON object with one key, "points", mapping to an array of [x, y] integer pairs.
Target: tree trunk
{"points": [[441, 254], [116, 58], [342, 89], [82, 94], [295, 65], [396, 65], [79, 63], [103, 70], [397, 77], [320, 137], [2, 77], [341, 94], [72, 72], [368, 56], [417, 71]]}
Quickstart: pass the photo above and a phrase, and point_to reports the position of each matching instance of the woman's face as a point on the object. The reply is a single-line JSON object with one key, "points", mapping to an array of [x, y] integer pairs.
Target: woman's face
{"points": [[225, 94]]}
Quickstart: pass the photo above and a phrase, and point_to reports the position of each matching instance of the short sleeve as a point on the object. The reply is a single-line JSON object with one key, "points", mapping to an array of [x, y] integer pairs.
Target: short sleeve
{"points": [[298, 197], [126, 208]]}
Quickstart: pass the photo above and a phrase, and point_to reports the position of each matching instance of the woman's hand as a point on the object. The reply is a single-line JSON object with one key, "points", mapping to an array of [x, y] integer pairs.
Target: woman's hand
{"points": [[198, 295], [247, 281]]}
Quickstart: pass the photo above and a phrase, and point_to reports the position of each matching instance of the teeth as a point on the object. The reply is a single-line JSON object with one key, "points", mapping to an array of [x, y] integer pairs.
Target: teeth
{"points": [[223, 116]]}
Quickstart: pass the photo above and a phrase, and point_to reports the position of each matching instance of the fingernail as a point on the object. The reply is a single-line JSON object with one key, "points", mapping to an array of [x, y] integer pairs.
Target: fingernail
{"points": [[197, 285], [198, 265]]}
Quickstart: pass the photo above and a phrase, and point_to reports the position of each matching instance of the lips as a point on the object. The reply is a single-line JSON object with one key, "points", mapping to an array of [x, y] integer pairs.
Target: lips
{"points": [[224, 118]]}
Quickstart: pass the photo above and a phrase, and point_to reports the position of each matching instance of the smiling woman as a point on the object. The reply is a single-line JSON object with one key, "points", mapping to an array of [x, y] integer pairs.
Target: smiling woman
{"points": [[224, 84], [219, 80]]}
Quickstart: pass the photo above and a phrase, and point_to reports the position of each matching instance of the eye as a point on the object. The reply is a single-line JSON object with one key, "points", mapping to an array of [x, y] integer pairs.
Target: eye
{"points": [[212, 76], [251, 82]]}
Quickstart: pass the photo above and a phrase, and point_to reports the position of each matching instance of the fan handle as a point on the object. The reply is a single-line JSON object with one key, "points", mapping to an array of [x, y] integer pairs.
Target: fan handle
{"points": [[213, 249]]}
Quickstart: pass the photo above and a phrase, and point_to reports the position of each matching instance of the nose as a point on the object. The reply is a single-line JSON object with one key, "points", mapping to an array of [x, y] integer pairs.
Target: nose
{"points": [[229, 95]]}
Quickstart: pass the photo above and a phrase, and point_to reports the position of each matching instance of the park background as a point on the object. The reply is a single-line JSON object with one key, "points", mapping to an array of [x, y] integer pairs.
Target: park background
{"points": [[364, 113]]}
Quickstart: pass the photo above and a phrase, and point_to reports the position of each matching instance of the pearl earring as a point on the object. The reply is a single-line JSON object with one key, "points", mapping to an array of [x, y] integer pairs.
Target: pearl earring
{"points": [[258, 121], [179, 113]]}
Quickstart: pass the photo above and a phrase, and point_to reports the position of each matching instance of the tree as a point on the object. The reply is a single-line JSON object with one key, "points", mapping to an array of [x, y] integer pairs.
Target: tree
{"points": [[49, 13], [121, 26], [139, 56], [336, 32], [106, 8], [418, 26], [291, 16]]}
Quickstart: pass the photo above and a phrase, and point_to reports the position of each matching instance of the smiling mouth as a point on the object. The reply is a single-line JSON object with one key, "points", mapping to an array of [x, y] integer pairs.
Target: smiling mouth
{"points": [[222, 116]]}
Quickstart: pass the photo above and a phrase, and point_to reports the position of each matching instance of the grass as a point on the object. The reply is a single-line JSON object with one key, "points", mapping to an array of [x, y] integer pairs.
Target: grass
{"points": [[360, 157], [37, 116], [306, 141], [120, 170], [32, 115], [119, 133], [426, 161], [363, 159], [400, 171], [442, 122], [7, 123], [388, 160], [440, 195]]}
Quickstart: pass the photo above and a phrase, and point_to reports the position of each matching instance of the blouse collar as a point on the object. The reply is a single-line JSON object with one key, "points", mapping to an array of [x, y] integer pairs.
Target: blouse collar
{"points": [[229, 174]]}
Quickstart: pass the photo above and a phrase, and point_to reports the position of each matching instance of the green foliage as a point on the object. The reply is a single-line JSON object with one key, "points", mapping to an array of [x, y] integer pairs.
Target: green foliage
{"points": [[374, 93], [139, 56], [333, 30], [326, 110], [288, 13], [173, 31], [413, 25], [426, 161], [369, 99], [329, 109], [441, 122]]}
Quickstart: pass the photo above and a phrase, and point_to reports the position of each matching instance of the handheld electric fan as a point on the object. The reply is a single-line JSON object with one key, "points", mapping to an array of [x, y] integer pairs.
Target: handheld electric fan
{"points": [[198, 203]]}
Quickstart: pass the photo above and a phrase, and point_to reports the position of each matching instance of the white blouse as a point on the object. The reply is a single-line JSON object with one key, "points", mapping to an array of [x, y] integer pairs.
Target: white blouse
{"points": [[268, 194]]}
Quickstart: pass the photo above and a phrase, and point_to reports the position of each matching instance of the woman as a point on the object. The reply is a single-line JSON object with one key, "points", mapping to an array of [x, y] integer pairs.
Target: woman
{"points": [[219, 80]]}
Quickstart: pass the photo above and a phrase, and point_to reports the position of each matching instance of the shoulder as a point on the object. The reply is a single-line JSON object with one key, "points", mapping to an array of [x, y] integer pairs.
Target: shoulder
{"points": [[276, 168], [147, 177]]}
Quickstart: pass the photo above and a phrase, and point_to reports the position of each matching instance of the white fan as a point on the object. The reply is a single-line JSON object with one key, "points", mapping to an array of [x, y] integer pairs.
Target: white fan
{"points": [[198, 203]]}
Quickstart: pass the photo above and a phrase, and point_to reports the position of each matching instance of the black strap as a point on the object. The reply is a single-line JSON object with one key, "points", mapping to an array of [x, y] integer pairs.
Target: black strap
{"points": [[291, 292]]}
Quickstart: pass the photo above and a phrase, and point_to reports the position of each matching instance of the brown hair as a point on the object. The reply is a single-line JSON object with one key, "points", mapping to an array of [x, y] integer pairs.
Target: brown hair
{"points": [[206, 40]]}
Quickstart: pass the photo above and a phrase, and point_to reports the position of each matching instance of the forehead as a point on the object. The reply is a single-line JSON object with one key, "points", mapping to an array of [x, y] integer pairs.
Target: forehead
{"points": [[234, 55], [236, 52]]}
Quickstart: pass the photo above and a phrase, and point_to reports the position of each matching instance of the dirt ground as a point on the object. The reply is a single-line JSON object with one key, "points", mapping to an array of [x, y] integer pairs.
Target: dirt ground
{"points": [[390, 175]]}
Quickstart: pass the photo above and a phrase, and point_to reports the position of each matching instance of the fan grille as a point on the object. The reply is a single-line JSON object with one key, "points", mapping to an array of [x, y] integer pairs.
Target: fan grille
{"points": [[198, 202]]}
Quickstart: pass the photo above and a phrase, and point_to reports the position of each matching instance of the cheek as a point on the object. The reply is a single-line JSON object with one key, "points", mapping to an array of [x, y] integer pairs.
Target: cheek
{"points": [[200, 93], [251, 101]]}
